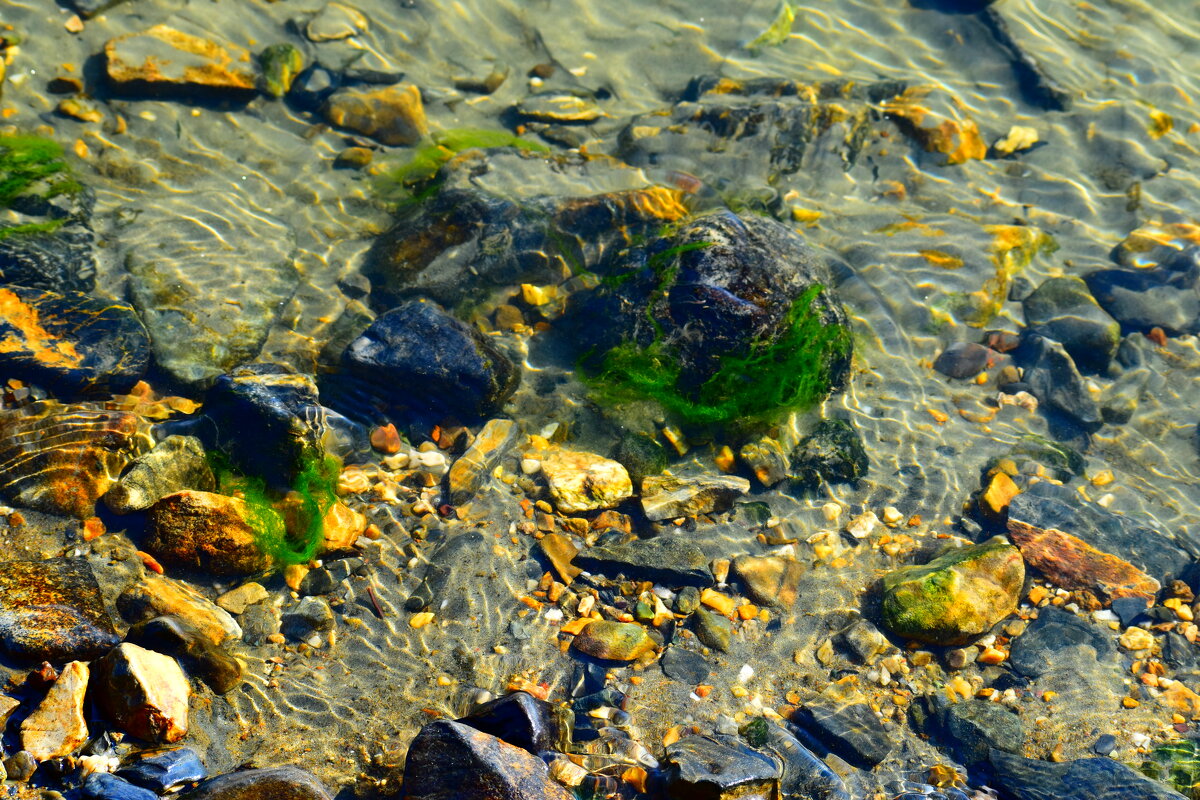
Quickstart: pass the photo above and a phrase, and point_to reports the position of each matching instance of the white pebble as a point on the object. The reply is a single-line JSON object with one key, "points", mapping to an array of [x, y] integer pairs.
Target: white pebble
{"points": [[861, 526], [395, 461], [554, 614], [531, 466], [892, 515], [745, 673], [432, 459], [831, 511]]}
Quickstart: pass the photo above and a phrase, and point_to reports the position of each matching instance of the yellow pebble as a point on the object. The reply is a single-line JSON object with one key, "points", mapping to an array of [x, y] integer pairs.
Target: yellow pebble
{"points": [[421, 619], [1102, 478], [1129, 702]]}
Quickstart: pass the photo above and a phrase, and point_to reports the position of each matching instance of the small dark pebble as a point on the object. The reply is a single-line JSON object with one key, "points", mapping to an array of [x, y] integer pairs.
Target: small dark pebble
{"points": [[1105, 745]]}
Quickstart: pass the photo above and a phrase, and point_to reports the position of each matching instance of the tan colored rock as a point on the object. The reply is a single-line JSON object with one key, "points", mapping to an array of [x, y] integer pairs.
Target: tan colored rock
{"points": [[559, 551], [335, 21], [143, 693], [769, 580], [57, 727], [668, 497], [7, 706], [470, 470], [393, 115], [206, 531], [235, 601], [614, 641], [163, 58], [157, 595], [341, 525], [582, 481], [1135, 638]]}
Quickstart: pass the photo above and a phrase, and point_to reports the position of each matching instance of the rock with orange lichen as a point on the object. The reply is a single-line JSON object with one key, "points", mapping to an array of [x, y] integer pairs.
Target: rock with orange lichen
{"points": [[70, 342], [53, 610], [62, 458], [952, 133], [165, 60], [1080, 545]]}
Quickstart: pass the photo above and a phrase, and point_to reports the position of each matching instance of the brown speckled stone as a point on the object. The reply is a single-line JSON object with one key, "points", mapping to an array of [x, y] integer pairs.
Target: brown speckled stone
{"points": [[204, 531], [53, 610]]}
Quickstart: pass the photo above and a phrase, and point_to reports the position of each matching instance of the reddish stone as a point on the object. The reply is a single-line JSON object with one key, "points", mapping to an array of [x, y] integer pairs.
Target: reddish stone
{"points": [[1071, 563]]}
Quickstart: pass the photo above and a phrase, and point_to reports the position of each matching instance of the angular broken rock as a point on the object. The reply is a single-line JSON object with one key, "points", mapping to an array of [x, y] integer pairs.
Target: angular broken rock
{"points": [[165, 59], [582, 481], [57, 727], [669, 559], [143, 693], [668, 497], [473, 467]]}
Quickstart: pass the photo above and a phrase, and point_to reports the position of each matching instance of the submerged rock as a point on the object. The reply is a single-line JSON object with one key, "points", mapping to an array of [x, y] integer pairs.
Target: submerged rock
{"points": [[58, 727], [393, 115], [850, 730], [70, 342], [174, 464], [164, 770], [670, 560], [1063, 309], [1055, 381], [205, 531], [519, 719], [283, 410], [142, 693], [157, 596], [701, 768], [53, 610], [974, 728], [614, 641], [582, 481], [965, 360], [60, 261], [1167, 296], [668, 497], [450, 760], [1083, 779], [713, 629], [1043, 645], [277, 783], [469, 472], [833, 452], [163, 60], [769, 580], [175, 637], [445, 368], [956, 596], [62, 458]]}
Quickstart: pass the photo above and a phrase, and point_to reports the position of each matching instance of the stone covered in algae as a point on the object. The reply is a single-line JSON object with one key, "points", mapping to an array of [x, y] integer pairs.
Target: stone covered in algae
{"points": [[956, 596]]}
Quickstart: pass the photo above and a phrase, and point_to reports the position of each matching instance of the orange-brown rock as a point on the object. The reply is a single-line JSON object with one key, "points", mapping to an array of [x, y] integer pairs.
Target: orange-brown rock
{"points": [[61, 458], [1071, 563], [341, 524], [769, 580], [393, 115], [163, 58], [157, 596], [207, 531], [143, 693], [559, 551], [999, 492]]}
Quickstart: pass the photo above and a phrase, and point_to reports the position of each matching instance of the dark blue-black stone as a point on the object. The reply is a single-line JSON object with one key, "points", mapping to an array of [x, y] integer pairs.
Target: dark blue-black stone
{"points": [[519, 719], [1084, 779], [164, 770], [102, 786]]}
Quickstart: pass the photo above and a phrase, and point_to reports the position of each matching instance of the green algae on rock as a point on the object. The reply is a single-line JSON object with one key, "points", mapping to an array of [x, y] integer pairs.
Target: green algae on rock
{"points": [[280, 64], [955, 597]]}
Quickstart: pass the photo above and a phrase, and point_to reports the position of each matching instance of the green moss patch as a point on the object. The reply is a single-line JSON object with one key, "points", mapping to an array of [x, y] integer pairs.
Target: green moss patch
{"points": [[31, 165]]}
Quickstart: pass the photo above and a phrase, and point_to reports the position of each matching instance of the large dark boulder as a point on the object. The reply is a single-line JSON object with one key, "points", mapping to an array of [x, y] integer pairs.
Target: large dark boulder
{"points": [[519, 719], [53, 610], [70, 342], [277, 783], [1083, 779], [450, 760], [268, 421], [419, 361], [703, 768]]}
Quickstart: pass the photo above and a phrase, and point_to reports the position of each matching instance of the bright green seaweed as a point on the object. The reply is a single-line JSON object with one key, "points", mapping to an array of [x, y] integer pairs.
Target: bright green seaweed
{"points": [[28, 162], [792, 371], [316, 486]]}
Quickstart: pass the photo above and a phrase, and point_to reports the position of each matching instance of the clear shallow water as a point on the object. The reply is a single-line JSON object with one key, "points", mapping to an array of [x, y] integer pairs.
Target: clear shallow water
{"points": [[246, 199]]}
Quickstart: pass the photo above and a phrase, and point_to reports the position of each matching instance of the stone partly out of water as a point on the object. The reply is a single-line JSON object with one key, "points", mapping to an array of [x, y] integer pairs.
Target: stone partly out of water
{"points": [[1083, 779], [519, 719], [472, 468], [449, 759], [956, 596], [1085, 546], [277, 783], [62, 458], [670, 560], [53, 610], [57, 727], [70, 342], [311, 616], [163, 60], [283, 410], [832, 452], [713, 630], [1055, 381], [20, 766], [235, 600], [582, 481], [203, 324], [164, 770], [614, 641], [710, 769], [769, 580], [444, 366], [174, 464], [393, 115], [205, 531], [1063, 310], [201, 658], [669, 497], [965, 360], [142, 693], [157, 596], [851, 731]]}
